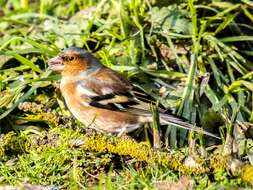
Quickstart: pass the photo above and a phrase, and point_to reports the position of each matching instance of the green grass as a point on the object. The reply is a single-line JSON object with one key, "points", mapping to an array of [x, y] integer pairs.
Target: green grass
{"points": [[194, 57]]}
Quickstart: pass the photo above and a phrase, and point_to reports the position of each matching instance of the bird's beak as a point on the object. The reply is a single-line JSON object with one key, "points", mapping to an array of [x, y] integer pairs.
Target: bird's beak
{"points": [[56, 64]]}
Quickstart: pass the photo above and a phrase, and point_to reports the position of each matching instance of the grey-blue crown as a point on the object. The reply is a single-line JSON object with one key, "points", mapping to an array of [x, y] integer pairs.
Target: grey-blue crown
{"points": [[75, 50]]}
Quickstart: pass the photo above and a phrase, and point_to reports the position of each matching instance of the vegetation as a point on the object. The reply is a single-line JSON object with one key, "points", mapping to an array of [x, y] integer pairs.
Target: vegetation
{"points": [[195, 57]]}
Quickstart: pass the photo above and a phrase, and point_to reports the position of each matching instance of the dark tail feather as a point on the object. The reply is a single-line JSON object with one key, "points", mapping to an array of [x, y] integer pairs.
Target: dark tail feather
{"points": [[167, 119]]}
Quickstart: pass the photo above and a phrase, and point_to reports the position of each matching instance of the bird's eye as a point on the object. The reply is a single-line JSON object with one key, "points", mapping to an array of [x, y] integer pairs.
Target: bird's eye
{"points": [[67, 59], [71, 58]]}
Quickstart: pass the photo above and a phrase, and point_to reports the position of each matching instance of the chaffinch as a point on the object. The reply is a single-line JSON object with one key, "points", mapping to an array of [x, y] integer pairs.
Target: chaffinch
{"points": [[101, 98]]}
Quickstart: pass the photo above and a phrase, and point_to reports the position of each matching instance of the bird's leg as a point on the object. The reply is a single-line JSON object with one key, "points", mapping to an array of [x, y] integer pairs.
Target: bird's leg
{"points": [[122, 132]]}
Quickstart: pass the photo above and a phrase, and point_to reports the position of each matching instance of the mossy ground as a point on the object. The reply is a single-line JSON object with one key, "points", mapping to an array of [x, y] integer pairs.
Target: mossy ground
{"points": [[71, 160]]}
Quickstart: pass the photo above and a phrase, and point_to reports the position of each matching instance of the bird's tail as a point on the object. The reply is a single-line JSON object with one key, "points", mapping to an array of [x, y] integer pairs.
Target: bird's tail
{"points": [[167, 119]]}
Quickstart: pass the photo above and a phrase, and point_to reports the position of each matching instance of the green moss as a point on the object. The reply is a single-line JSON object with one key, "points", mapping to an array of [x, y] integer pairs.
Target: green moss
{"points": [[39, 112], [10, 144], [219, 162], [247, 174], [58, 153]]}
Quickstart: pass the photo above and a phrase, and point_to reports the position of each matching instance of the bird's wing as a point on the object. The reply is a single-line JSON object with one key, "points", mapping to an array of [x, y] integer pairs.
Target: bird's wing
{"points": [[108, 89]]}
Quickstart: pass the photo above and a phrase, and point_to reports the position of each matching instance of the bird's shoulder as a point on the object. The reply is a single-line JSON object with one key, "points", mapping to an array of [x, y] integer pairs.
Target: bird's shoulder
{"points": [[109, 77]]}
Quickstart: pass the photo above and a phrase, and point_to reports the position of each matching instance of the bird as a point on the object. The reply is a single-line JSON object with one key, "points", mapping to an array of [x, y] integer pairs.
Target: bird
{"points": [[102, 98]]}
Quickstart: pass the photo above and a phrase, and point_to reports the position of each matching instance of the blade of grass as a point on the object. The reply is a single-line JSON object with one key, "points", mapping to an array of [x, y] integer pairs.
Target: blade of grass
{"points": [[229, 9], [247, 13], [248, 2], [237, 84], [44, 48], [192, 71], [236, 38], [26, 95], [155, 126], [223, 50], [225, 23], [215, 72], [211, 95], [173, 75], [27, 62], [185, 107]]}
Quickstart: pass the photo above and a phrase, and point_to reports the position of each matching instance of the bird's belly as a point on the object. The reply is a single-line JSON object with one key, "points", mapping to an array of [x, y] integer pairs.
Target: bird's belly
{"points": [[104, 120]]}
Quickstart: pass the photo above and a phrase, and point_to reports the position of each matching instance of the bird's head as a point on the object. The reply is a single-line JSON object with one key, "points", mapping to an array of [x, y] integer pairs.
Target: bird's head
{"points": [[73, 61]]}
